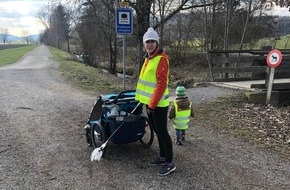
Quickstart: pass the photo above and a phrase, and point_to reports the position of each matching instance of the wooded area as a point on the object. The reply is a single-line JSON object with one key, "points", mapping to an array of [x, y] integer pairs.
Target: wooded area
{"points": [[188, 29]]}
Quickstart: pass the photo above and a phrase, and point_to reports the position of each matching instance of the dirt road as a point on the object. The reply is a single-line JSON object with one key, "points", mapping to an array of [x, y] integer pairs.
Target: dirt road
{"points": [[42, 145]]}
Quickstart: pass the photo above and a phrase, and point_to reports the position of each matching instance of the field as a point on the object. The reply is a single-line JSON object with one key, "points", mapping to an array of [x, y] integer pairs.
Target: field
{"points": [[8, 46], [11, 53]]}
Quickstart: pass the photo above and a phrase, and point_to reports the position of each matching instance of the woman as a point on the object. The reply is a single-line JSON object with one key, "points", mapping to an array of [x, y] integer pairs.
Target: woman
{"points": [[152, 90]]}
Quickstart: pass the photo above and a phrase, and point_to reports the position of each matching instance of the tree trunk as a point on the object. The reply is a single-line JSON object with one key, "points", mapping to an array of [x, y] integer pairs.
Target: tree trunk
{"points": [[143, 18], [68, 46], [244, 33], [226, 35], [208, 41]]}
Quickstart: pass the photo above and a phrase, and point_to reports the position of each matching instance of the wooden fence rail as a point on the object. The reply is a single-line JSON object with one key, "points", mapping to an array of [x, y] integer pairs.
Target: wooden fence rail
{"points": [[245, 65]]}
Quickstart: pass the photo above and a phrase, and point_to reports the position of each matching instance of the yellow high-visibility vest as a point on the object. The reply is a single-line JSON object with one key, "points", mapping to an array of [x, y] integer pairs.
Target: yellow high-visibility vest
{"points": [[181, 119], [147, 83]]}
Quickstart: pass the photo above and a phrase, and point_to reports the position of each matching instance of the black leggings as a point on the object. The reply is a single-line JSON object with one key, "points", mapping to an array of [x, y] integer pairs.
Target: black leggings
{"points": [[158, 120]]}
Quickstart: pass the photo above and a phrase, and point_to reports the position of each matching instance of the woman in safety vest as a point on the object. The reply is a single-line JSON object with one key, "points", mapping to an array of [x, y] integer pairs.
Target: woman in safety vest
{"points": [[152, 90], [181, 110]]}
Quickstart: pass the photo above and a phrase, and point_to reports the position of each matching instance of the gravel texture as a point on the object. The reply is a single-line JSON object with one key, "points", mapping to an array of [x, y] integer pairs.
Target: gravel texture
{"points": [[42, 145]]}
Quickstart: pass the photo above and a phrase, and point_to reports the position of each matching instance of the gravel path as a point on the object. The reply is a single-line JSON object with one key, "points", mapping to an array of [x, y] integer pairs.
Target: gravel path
{"points": [[42, 145]]}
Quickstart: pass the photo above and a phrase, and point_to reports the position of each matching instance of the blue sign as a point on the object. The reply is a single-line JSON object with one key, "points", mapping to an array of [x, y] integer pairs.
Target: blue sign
{"points": [[124, 21]]}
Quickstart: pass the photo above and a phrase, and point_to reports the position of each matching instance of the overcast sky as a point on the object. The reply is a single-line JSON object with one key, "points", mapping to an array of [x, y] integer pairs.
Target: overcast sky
{"points": [[281, 11], [20, 15]]}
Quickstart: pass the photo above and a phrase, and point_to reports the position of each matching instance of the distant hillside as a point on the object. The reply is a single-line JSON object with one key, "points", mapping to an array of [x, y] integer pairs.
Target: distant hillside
{"points": [[17, 39], [13, 38], [35, 37]]}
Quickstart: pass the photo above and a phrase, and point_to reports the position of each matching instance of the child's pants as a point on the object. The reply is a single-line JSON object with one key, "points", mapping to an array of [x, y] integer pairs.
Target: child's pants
{"points": [[180, 133]]}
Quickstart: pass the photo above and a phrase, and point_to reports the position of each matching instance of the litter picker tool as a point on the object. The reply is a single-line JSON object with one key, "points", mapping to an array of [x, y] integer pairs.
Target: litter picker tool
{"points": [[98, 152]]}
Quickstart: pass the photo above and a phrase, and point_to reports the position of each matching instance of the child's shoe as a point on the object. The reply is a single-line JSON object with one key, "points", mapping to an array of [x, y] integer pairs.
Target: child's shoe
{"points": [[178, 142], [183, 138]]}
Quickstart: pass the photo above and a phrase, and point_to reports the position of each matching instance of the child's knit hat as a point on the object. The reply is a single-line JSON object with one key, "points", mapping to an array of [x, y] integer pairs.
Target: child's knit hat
{"points": [[180, 91]]}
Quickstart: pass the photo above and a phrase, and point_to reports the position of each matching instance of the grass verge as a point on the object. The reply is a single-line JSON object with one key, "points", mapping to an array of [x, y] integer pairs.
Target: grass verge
{"points": [[11, 55], [86, 77]]}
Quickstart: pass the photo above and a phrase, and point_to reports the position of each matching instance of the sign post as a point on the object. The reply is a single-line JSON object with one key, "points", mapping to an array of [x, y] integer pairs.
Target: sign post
{"points": [[274, 59], [124, 25]]}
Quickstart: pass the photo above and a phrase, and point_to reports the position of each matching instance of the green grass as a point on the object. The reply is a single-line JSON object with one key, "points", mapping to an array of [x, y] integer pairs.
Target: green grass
{"points": [[86, 77], [8, 56], [282, 43]]}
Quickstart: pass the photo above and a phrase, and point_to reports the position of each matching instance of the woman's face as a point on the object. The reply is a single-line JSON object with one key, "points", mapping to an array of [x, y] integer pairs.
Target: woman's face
{"points": [[150, 46]]}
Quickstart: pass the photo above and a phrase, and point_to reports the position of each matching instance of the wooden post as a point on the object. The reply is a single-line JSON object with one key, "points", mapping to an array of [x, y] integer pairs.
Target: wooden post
{"points": [[270, 85], [267, 76]]}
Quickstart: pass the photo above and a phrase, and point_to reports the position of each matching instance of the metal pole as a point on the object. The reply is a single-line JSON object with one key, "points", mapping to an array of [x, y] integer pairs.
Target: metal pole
{"points": [[124, 54], [270, 85]]}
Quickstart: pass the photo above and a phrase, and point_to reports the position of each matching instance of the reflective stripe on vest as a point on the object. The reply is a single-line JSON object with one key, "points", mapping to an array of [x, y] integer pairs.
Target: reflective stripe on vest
{"points": [[181, 119], [147, 84]]}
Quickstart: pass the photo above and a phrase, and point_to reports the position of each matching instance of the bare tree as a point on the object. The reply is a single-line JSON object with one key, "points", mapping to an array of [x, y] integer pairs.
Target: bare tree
{"points": [[57, 20], [141, 24], [91, 33], [26, 36], [99, 17], [60, 26], [144, 15], [4, 35]]}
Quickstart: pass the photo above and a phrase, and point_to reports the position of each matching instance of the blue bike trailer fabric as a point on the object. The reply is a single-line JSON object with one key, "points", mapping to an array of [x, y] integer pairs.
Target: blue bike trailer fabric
{"points": [[122, 95], [131, 131]]}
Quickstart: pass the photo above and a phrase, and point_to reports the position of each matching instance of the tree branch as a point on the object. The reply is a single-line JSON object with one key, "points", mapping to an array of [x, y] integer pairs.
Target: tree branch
{"points": [[181, 8]]}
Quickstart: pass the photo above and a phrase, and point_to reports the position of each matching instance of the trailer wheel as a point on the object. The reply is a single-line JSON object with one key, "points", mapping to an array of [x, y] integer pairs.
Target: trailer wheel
{"points": [[99, 136]]}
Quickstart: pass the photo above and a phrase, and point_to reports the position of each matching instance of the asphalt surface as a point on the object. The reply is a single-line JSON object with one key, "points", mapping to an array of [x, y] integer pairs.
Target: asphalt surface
{"points": [[42, 145]]}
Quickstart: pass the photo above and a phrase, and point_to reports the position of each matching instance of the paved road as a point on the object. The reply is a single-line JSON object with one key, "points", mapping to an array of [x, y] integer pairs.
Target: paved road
{"points": [[42, 144]]}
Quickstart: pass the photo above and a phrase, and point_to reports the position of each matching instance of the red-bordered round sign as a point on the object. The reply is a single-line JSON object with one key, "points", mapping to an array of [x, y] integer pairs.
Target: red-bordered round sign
{"points": [[274, 58]]}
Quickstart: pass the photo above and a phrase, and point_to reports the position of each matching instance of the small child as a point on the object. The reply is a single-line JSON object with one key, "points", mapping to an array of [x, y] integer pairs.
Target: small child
{"points": [[181, 110]]}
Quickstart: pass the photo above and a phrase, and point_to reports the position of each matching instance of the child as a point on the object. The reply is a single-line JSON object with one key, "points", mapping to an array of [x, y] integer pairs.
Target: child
{"points": [[181, 110]]}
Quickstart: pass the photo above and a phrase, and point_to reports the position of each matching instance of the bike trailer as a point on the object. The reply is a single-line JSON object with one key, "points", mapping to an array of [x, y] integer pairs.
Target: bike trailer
{"points": [[109, 112]]}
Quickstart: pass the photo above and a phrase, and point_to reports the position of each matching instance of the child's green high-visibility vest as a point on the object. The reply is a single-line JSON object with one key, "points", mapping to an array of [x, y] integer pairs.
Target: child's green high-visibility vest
{"points": [[181, 119]]}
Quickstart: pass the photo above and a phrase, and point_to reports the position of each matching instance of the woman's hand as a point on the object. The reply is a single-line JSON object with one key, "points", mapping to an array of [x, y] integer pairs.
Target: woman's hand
{"points": [[150, 110]]}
